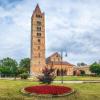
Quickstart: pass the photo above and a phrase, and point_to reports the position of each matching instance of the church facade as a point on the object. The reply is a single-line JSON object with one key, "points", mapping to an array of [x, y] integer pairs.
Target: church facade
{"points": [[38, 59], [62, 67]]}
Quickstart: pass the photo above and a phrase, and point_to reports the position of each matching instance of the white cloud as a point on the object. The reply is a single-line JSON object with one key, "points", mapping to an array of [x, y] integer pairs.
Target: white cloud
{"points": [[71, 25]]}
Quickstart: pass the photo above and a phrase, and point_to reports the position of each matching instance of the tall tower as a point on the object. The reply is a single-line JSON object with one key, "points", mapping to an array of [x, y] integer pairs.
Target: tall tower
{"points": [[37, 40]]}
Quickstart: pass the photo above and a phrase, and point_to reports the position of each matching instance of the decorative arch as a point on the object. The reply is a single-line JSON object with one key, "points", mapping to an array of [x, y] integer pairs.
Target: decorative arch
{"points": [[58, 72], [64, 72], [82, 72], [76, 72]]}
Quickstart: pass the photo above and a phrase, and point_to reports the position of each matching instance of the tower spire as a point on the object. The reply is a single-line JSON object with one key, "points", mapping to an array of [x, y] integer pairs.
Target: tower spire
{"points": [[37, 9]]}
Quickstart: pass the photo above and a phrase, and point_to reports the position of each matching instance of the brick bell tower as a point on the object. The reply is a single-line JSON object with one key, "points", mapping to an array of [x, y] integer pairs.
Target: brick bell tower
{"points": [[37, 41]]}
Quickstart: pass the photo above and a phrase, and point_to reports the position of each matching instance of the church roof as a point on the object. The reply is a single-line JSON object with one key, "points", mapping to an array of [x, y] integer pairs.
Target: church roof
{"points": [[63, 63], [48, 58], [56, 53], [48, 61]]}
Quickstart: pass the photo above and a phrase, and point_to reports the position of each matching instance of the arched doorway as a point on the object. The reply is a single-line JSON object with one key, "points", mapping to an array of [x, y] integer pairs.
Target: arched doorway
{"points": [[58, 72], [82, 72], [65, 72], [76, 72], [61, 72]]}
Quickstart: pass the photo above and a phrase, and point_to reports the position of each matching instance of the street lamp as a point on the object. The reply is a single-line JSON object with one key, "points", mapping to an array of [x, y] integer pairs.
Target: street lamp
{"points": [[61, 66]]}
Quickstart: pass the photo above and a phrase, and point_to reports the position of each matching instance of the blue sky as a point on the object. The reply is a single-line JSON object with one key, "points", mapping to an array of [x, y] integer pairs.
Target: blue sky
{"points": [[71, 25]]}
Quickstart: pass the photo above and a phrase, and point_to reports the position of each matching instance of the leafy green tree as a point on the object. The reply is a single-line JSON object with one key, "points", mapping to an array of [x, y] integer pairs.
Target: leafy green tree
{"points": [[8, 62], [8, 66], [5, 71], [24, 75], [81, 64], [24, 65], [15, 71], [95, 68]]}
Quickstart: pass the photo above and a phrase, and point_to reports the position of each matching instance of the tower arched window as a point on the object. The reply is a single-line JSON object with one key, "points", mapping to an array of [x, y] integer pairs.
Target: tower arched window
{"points": [[38, 16], [39, 40], [39, 34], [38, 28], [38, 23]]}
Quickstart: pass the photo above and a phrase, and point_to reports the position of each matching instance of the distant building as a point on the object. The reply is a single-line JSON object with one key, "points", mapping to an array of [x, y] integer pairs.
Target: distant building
{"points": [[38, 60], [79, 70]]}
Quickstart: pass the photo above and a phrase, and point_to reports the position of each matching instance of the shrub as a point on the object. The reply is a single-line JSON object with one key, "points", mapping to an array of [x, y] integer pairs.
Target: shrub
{"points": [[47, 75], [24, 75]]}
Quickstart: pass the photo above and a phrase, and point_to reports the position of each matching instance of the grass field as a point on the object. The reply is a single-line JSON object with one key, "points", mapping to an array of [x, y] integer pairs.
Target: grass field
{"points": [[10, 90], [75, 78], [78, 78]]}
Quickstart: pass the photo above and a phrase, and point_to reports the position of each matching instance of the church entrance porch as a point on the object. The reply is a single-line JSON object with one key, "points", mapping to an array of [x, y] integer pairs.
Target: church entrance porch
{"points": [[61, 72]]}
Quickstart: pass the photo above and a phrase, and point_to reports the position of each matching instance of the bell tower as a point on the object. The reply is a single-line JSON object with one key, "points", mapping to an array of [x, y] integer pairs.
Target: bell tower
{"points": [[37, 40]]}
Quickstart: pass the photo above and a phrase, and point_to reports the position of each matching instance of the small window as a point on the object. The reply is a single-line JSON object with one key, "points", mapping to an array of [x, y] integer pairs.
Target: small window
{"points": [[38, 16], [39, 41], [38, 28], [38, 23], [38, 34]]}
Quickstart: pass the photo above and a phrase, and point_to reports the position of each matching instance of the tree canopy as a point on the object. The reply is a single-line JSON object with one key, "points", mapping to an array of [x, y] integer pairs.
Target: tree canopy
{"points": [[25, 65], [95, 68], [8, 66]]}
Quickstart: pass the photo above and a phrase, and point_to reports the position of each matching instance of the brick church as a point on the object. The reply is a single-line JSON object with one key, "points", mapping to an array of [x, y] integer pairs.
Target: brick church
{"points": [[38, 59]]}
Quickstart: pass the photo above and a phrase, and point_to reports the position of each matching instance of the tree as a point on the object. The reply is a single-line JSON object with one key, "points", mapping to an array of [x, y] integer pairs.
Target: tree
{"points": [[8, 66], [8, 62], [5, 71], [24, 75], [15, 71], [47, 75], [81, 64], [95, 68], [24, 65]]}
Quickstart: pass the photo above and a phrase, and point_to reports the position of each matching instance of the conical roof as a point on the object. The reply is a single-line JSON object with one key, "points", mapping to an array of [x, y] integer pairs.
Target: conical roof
{"points": [[37, 9]]}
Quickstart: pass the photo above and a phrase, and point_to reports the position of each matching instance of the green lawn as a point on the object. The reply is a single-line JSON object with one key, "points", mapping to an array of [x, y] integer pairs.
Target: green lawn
{"points": [[10, 90], [74, 78], [77, 78]]}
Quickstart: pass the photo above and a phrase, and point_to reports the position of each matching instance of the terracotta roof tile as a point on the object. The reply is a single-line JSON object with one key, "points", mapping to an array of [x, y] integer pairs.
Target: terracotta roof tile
{"points": [[59, 63]]}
